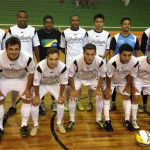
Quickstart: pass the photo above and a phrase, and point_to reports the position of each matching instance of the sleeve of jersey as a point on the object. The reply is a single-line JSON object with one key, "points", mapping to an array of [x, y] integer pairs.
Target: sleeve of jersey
{"points": [[36, 41], [144, 42], [3, 42], [110, 69], [37, 76], [8, 34], [30, 66], [137, 47], [113, 44], [72, 69], [62, 41], [134, 70], [64, 76], [108, 42], [102, 69], [85, 41]]}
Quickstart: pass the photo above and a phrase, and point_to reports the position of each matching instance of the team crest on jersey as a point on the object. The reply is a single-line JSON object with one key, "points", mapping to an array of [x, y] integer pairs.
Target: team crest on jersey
{"points": [[49, 43]]}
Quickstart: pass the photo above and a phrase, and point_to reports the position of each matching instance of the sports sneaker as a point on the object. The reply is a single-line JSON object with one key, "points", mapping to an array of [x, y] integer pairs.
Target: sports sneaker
{"points": [[34, 131], [1, 133], [89, 107], [66, 107], [79, 106], [53, 107], [24, 131], [100, 125], [5, 119], [113, 107], [141, 109], [108, 126], [135, 124], [60, 128], [70, 126], [42, 111], [128, 124], [12, 111]]}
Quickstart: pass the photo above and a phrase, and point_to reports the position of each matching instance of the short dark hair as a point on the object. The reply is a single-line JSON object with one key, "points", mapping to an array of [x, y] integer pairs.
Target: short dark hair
{"points": [[13, 41], [74, 15], [52, 50], [125, 47], [99, 16], [48, 17], [89, 46], [22, 11], [126, 18]]}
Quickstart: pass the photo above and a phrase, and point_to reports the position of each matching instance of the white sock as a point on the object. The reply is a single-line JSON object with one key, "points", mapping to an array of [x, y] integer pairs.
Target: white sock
{"points": [[99, 108], [67, 93], [60, 112], [134, 108], [14, 95], [25, 113], [72, 106], [106, 109], [90, 93], [35, 115], [127, 109], [1, 116]]}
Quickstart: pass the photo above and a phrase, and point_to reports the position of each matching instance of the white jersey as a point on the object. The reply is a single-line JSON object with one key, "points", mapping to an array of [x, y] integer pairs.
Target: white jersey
{"points": [[28, 37], [143, 75], [45, 75], [17, 68], [100, 39], [73, 42], [2, 39], [85, 71], [118, 71]]}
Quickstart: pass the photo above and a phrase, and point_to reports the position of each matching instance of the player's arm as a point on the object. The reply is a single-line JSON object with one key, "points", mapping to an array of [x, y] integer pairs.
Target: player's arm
{"points": [[112, 47], [137, 51], [37, 53], [62, 42]]}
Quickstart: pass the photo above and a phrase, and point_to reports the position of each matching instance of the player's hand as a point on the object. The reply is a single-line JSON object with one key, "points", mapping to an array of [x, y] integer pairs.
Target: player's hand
{"points": [[36, 101], [98, 93], [61, 99], [134, 90], [127, 90], [28, 95], [107, 92], [73, 94]]}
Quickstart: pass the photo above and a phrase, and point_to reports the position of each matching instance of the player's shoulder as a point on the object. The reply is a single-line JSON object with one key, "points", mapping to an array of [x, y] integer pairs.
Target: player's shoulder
{"points": [[2, 32], [147, 30], [141, 58], [105, 32], [40, 30], [2, 52], [30, 27], [81, 29], [14, 27], [90, 31]]}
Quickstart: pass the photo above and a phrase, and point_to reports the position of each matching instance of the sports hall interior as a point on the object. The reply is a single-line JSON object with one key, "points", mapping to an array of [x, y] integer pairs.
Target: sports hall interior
{"points": [[85, 135]]}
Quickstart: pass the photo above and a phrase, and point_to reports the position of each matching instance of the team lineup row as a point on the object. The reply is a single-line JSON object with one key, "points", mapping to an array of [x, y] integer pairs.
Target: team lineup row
{"points": [[71, 42]]}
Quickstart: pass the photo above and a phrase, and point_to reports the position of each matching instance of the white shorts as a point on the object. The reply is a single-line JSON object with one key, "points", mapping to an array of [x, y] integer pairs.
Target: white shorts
{"points": [[92, 84], [7, 85], [141, 87], [53, 89]]}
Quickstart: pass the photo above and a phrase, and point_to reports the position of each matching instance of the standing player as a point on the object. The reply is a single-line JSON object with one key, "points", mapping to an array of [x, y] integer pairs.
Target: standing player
{"points": [[123, 37], [72, 41], [101, 39], [29, 39], [46, 79], [14, 64], [145, 42], [49, 37], [121, 69], [87, 69], [2, 39]]}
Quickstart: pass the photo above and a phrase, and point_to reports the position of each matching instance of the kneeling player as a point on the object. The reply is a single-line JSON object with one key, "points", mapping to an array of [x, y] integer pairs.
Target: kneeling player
{"points": [[89, 70], [46, 79], [14, 64], [121, 69]]}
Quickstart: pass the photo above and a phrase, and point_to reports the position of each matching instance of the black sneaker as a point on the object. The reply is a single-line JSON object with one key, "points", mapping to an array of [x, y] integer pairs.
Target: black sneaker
{"points": [[129, 125], [12, 111], [70, 126], [24, 131], [1, 133], [5, 119], [42, 111], [100, 125], [108, 126], [113, 107]]}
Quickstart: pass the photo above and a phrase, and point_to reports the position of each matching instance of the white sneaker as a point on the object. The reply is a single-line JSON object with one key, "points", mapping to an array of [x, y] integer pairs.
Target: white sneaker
{"points": [[60, 128], [34, 131], [135, 124]]}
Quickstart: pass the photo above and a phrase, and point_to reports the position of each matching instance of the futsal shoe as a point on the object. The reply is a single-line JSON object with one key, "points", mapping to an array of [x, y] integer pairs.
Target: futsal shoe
{"points": [[70, 126], [142, 109], [24, 131], [79, 106], [34, 131], [53, 107], [89, 107], [135, 124], [42, 111], [108, 126], [1, 133], [129, 125], [12, 111], [113, 107], [100, 125], [60, 128]]}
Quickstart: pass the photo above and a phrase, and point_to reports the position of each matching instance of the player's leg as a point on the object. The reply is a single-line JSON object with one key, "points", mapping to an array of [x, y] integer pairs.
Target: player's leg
{"points": [[90, 104], [42, 110], [53, 105], [67, 97], [113, 107], [78, 102]]}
